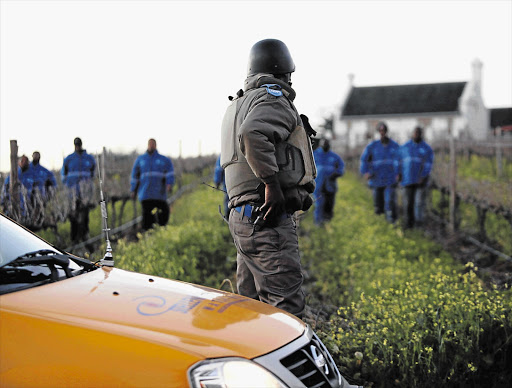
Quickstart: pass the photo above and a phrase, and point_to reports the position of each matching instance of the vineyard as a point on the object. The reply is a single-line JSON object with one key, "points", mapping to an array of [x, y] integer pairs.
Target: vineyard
{"points": [[49, 216], [480, 177], [394, 307], [407, 313]]}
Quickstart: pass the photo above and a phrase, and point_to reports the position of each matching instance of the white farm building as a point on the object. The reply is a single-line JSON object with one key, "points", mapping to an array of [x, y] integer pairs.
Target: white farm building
{"points": [[440, 108]]}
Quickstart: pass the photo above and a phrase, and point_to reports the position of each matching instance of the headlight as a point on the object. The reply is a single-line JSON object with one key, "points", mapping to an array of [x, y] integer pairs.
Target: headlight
{"points": [[231, 373]]}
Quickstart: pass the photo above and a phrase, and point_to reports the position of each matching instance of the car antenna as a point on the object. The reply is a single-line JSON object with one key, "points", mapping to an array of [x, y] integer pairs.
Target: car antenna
{"points": [[108, 259]]}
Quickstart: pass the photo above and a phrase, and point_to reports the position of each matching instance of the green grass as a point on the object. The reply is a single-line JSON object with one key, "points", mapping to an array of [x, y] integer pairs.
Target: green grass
{"points": [[195, 246], [406, 314]]}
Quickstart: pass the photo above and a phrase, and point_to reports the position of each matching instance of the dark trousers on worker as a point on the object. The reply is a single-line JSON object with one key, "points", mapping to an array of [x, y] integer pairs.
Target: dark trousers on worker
{"points": [[414, 201], [79, 220], [384, 201], [150, 217], [324, 207], [268, 262]]}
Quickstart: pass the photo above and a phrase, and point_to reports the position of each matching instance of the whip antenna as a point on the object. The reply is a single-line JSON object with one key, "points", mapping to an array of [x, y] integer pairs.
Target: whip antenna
{"points": [[108, 259]]}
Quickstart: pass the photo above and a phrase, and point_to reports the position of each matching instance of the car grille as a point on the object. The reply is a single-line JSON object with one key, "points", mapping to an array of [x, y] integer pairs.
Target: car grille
{"points": [[312, 365], [304, 362]]}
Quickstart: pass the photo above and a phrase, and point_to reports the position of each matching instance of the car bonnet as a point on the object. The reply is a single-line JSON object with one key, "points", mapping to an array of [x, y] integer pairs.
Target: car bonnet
{"points": [[194, 319]]}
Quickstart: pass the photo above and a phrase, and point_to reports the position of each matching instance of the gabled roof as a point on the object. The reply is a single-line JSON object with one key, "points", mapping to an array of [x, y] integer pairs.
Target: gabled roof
{"points": [[403, 99], [501, 117]]}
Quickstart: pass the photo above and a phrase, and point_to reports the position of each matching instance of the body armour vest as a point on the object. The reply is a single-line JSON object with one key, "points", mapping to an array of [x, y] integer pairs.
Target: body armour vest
{"points": [[294, 156]]}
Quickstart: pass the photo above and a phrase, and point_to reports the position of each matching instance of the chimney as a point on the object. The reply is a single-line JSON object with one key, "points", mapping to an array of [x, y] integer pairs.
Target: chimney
{"points": [[476, 76], [351, 80]]}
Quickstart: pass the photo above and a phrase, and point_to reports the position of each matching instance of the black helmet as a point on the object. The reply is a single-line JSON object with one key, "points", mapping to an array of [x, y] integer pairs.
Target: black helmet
{"points": [[270, 56]]}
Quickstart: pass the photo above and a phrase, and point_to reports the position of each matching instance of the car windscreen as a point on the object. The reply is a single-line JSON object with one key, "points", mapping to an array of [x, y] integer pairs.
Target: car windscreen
{"points": [[16, 241]]}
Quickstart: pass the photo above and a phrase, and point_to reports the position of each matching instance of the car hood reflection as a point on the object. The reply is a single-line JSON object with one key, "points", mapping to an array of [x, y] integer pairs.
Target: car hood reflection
{"points": [[192, 318]]}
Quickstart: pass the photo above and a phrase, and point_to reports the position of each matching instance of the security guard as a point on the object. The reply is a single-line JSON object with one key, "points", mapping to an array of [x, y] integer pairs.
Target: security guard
{"points": [[77, 174], [330, 166], [218, 179], [416, 159], [26, 178], [44, 180], [269, 172], [379, 165], [152, 178]]}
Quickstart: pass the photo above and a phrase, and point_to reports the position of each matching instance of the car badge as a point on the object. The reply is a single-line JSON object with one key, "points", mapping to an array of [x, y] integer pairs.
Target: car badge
{"points": [[319, 359]]}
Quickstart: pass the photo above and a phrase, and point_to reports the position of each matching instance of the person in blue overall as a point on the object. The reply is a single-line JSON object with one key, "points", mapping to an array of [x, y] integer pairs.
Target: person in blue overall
{"points": [[219, 181], [26, 178], [44, 179], [379, 165], [152, 178], [329, 167], [77, 173], [416, 159]]}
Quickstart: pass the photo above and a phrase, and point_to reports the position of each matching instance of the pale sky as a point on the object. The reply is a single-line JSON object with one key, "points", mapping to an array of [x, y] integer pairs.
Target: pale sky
{"points": [[116, 73]]}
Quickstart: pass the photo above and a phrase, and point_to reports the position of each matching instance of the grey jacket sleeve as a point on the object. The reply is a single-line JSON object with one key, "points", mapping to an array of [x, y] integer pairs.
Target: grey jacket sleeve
{"points": [[268, 122]]}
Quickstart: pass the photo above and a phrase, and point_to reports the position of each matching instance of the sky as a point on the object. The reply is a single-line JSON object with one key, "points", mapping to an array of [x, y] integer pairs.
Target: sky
{"points": [[118, 72]]}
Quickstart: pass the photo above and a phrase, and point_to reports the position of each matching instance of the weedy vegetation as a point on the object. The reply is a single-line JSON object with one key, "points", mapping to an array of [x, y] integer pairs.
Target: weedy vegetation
{"points": [[195, 246], [405, 313], [408, 315]]}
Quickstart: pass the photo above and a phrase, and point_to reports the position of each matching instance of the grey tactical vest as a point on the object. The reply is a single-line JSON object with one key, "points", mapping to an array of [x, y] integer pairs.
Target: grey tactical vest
{"points": [[294, 156]]}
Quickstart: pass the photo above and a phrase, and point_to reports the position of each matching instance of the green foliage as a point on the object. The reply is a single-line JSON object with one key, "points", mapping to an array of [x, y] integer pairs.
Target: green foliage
{"points": [[195, 246], [406, 314], [484, 168], [496, 227], [499, 230], [409, 315]]}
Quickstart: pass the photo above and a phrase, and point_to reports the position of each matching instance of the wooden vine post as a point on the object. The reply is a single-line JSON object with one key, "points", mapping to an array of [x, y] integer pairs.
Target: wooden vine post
{"points": [[453, 181], [14, 186], [499, 159]]}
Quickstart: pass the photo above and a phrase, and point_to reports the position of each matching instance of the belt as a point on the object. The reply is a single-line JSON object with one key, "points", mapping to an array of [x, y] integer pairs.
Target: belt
{"points": [[249, 209]]}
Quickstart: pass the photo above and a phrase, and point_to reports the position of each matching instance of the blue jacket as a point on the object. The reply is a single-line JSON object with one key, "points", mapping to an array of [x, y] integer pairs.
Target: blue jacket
{"points": [[26, 178], [77, 167], [151, 174], [43, 178], [329, 166], [218, 174], [381, 162], [415, 162]]}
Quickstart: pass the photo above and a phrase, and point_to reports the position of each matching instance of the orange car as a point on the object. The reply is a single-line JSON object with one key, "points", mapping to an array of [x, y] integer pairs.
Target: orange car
{"points": [[66, 322]]}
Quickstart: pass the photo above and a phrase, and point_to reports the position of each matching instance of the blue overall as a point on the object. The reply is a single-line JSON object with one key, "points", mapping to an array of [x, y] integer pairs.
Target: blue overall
{"points": [[416, 161], [381, 161], [329, 166], [77, 167], [26, 179], [151, 174], [218, 179], [43, 178]]}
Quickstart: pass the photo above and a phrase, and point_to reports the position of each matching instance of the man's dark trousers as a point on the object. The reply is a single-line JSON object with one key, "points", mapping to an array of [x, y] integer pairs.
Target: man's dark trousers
{"points": [[79, 220], [268, 262], [162, 214]]}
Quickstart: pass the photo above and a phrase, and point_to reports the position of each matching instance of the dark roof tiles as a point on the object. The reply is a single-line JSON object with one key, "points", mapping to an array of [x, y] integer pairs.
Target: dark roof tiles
{"points": [[501, 117], [403, 99]]}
